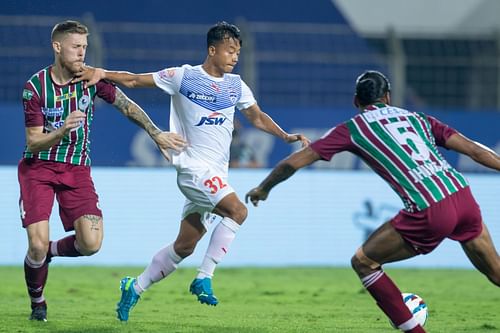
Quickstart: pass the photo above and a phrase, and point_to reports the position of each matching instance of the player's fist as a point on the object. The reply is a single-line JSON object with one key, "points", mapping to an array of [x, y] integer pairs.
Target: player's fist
{"points": [[169, 140], [89, 75], [74, 120], [255, 195], [298, 137]]}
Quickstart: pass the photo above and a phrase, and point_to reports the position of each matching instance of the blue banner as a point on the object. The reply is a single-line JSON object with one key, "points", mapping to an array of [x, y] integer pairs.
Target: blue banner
{"points": [[115, 141]]}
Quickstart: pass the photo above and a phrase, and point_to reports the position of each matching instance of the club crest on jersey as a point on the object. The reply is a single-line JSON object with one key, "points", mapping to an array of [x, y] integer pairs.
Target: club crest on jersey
{"points": [[233, 96], [83, 103], [215, 118], [201, 97]]}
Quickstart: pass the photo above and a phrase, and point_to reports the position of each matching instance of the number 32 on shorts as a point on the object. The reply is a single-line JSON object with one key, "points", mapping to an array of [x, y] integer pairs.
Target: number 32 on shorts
{"points": [[214, 184]]}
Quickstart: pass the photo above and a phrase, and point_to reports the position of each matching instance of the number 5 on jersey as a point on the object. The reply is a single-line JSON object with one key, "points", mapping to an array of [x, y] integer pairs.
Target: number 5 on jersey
{"points": [[420, 152]]}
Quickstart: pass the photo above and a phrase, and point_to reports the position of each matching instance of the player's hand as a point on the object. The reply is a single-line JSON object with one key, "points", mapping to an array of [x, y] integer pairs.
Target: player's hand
{"points": [[89, 75], [74, 120], [298, 137], [169, 140], [255, 195]]}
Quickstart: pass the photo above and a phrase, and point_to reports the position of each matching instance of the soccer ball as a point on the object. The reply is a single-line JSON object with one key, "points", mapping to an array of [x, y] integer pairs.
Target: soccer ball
{"points": [[417, 306]]}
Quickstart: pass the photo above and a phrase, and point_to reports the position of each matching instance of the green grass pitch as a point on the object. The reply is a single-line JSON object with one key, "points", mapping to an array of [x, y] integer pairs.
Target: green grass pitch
{"points": [[252, 300]]}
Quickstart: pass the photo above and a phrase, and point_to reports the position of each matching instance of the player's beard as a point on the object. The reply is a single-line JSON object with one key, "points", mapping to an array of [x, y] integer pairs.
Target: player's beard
{"points": [[72, 67]]}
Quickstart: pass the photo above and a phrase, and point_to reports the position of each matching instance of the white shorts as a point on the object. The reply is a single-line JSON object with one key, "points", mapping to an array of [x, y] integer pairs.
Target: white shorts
{"points": [[203, 188]]}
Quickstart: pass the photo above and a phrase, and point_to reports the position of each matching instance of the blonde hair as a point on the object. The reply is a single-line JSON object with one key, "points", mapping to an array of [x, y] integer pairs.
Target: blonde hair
{"points": [[68, 27]]}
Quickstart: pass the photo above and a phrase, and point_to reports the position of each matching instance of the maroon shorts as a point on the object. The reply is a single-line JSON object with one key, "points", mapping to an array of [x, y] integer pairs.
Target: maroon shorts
{"points": [[71, 184], [457, 217]]}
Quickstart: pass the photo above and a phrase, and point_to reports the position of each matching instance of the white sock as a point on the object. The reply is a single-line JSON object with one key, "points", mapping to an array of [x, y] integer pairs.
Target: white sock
{"points": [[408, 325], [32, 262], [222, 237], [163, 264]]}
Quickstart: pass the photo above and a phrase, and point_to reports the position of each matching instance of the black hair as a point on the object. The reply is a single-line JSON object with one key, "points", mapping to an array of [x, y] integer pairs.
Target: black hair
{"points": [[223, 30], [371, 86], [68, 27]]}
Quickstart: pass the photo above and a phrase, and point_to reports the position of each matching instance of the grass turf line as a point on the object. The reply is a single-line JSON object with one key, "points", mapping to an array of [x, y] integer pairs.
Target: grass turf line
{"points": [[252, 300]]}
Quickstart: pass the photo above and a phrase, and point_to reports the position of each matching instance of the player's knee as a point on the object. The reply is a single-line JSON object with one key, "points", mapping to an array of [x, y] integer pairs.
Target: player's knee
{"points": [[363, 265], [239, 213], [232, 208], [184, 249], [356, 264], [38, 248], [89, 247]]}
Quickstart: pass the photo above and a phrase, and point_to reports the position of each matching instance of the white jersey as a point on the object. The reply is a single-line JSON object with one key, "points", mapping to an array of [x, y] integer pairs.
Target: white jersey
{"points": [[201, 111]]}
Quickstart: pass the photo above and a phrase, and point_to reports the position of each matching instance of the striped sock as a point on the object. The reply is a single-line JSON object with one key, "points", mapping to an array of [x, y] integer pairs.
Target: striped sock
{"points": [[388, 297], [65, 247], [35, 274]]}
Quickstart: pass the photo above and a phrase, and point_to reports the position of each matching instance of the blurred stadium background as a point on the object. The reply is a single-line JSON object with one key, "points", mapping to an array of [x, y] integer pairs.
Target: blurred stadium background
{"points": [[301, 58]]}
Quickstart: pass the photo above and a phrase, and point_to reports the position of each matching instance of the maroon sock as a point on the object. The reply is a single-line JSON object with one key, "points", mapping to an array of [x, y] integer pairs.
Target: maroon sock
{"points": [[388, 297], [66, 247], [36, 277]]}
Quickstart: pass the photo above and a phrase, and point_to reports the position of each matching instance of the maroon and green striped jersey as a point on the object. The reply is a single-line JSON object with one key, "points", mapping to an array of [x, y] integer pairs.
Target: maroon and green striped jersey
{"points": [[47, 104], [400, 146]]}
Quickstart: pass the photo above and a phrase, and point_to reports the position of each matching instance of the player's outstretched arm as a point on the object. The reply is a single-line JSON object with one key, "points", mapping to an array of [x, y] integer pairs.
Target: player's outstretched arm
{"points": [[284, 170], [475, 150], [91, 76], [263, 121], [164, 140]]}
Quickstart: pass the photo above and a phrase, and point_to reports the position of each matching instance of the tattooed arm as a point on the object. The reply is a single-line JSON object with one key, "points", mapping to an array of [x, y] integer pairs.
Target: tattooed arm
{"points": [[164, 140], [134, 112], [284, 170]]}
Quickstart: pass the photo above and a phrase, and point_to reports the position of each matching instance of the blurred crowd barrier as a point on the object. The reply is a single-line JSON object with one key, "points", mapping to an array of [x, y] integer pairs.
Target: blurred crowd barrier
{"points": [[295, 64], [314, 218], [302, 75]]}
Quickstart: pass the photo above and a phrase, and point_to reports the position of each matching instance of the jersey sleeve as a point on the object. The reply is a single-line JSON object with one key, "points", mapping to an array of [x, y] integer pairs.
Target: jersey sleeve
{"points": [[169, 79], [332, 142], [33, 115], [247, 99], [440, 130], [106, 90]]}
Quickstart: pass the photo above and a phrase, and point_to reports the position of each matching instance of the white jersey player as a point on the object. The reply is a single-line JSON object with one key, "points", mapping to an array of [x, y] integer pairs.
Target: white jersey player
{"points": [[202, 111], [203, 102]]}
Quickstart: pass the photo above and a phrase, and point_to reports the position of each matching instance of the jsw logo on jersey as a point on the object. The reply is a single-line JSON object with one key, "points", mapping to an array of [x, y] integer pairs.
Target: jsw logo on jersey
{"points": [[215, 118], [201, 97]]}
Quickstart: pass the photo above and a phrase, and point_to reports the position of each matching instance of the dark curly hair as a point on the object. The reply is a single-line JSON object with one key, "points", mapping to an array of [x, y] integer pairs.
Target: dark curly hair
{"points": [[371, 86], [223, 30]]}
